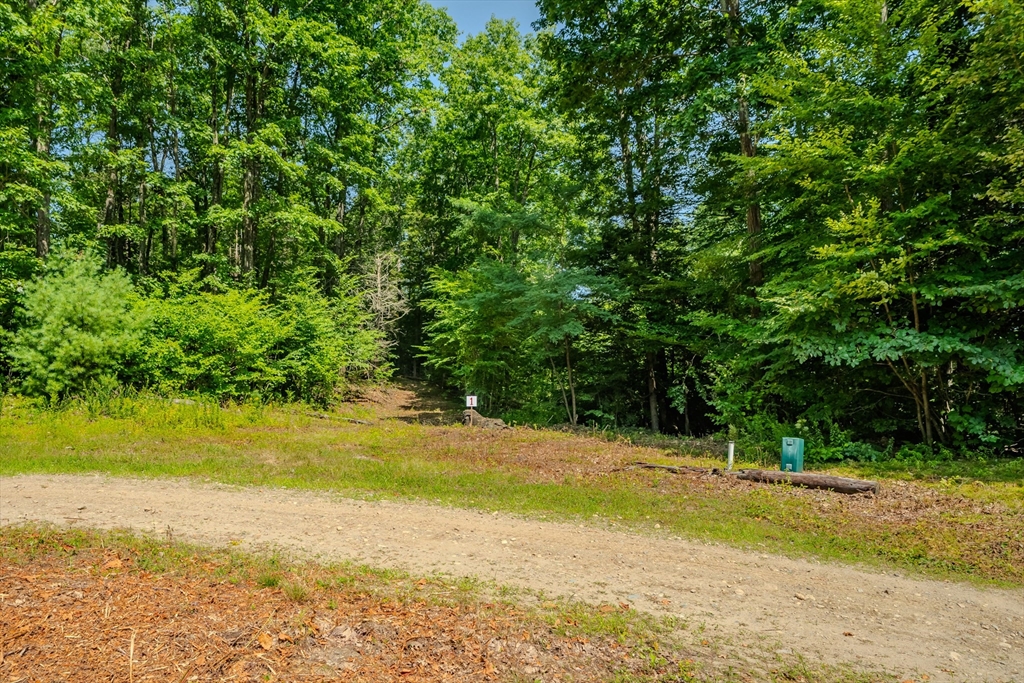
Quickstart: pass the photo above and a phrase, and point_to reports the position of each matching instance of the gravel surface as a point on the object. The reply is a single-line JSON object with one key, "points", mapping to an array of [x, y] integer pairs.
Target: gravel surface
{"points": [[832, 613]]}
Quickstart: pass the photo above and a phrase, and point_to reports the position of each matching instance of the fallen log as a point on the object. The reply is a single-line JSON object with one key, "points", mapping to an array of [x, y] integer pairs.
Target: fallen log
{"points": [[811, 481], [324, 416], [674, 469]]}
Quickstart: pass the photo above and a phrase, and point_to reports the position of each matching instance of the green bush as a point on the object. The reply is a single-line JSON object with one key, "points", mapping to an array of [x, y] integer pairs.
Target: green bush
{"points": [[217, 344], [17, 266], [327, 342], [237, 345], [78, 328], [760, 437], [84, 333]]}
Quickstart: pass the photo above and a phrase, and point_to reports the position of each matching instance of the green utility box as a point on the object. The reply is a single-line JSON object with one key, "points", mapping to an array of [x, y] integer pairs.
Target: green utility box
{"points": [[792, 454]]}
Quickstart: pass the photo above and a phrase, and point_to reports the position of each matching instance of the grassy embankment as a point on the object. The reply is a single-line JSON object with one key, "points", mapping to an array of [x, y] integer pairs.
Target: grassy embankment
{"points": [[957, 527]]}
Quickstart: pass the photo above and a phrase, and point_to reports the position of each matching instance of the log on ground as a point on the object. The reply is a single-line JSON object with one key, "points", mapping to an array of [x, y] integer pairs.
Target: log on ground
{"points": [[811, 481], [675, 469]]}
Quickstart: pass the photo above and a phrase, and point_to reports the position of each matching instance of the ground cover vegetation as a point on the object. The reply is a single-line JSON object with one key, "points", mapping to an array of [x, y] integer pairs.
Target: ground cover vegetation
{"points": [[928, 521], [798, 218], [157, 609]]}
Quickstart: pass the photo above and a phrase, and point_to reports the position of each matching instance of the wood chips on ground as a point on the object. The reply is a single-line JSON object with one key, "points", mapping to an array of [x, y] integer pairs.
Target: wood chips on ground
{"points": [[92, 615]]}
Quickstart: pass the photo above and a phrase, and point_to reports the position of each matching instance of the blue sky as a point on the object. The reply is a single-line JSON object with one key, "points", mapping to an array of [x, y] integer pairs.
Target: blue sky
{"points": [[472, 15]]}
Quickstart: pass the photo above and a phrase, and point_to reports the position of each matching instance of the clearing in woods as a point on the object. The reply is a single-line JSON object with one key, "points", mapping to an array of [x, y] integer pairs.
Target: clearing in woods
{"points": [[749, 610]]}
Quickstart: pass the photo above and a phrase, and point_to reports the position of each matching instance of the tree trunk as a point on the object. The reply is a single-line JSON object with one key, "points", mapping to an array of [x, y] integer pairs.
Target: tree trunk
{"points": [[268, 262], [43, 227], [652, 393], [494, 154], [628, 181], [337, 244], [661, 380], [572, 387], [914, 391], [561, 387], [250, 168], [753, 208], [43, 212], [731, 8], [45, 102], [171, 239], [926, 405], [811, 481], [217, 172], [247, 255], [111, 206], [147, 247]]}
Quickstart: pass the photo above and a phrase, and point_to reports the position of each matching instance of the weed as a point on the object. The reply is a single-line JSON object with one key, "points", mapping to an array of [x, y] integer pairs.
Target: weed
{"points": [[268, 581], [295, 591]]}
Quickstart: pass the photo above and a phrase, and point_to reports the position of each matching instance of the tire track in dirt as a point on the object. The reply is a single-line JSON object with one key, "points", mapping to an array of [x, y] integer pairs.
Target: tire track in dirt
{"points": [[909, 626]]}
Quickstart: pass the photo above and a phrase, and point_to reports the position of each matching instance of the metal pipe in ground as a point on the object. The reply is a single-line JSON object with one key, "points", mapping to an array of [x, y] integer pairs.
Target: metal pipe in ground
{"points": [[732, 453]]}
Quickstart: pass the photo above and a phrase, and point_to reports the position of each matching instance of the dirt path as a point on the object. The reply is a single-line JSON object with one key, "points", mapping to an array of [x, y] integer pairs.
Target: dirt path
{"points": [[908, 626]]}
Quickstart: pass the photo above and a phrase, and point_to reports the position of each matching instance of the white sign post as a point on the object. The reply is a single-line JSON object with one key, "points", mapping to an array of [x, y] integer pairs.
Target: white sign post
{"points": [[471, 403]]}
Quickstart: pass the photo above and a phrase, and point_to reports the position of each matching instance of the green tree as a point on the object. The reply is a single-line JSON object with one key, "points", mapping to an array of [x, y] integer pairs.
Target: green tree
{"points": [[891, 289], [497, 329], [488, 173], [470, 342], [911, 272], [616, 74], [556, 308]]}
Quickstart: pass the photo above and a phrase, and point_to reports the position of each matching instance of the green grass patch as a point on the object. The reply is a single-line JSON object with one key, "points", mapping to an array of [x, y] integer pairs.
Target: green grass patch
{"points": [[966, 529]]}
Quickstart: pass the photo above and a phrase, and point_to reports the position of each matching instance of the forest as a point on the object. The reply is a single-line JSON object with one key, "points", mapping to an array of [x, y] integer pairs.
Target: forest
{"points": [[696, 217]]}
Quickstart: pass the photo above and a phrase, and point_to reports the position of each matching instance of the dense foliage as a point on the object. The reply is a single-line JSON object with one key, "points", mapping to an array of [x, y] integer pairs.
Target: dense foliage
{"points": [[802, 216], [80, 329]]}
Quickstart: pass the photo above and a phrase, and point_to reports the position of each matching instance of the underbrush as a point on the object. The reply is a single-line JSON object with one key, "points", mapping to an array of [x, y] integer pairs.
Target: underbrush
{"points": [[81, 331]]}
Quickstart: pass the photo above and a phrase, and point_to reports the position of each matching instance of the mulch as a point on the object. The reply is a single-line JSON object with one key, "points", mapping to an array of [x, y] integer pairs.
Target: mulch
{"points": [[94, 615]]}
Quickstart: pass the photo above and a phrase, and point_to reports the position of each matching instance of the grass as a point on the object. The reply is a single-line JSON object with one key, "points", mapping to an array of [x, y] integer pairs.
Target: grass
{"points": [[949, 527], [599, 642], [944, 473], [941, 470]]}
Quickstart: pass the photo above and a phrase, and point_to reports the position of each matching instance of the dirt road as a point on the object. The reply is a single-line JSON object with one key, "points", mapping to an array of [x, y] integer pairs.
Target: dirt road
{"points": [[838, 614]]}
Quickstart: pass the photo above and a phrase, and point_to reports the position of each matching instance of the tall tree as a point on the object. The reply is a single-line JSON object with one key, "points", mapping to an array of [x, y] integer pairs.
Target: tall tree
{"points": [[616, 68]]}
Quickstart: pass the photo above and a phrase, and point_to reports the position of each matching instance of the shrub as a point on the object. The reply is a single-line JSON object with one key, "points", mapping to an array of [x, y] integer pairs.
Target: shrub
{"points": [[236, 345], [326, 341], [217, 344], [79, 328], [84, 333]]}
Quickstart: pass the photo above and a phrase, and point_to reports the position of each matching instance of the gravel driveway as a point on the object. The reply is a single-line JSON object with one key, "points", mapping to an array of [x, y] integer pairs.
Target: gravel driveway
{"points": [[909, 626]]}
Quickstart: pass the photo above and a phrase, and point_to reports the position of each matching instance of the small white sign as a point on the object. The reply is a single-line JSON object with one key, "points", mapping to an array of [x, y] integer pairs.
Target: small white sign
{"points": [[471, 401]]}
